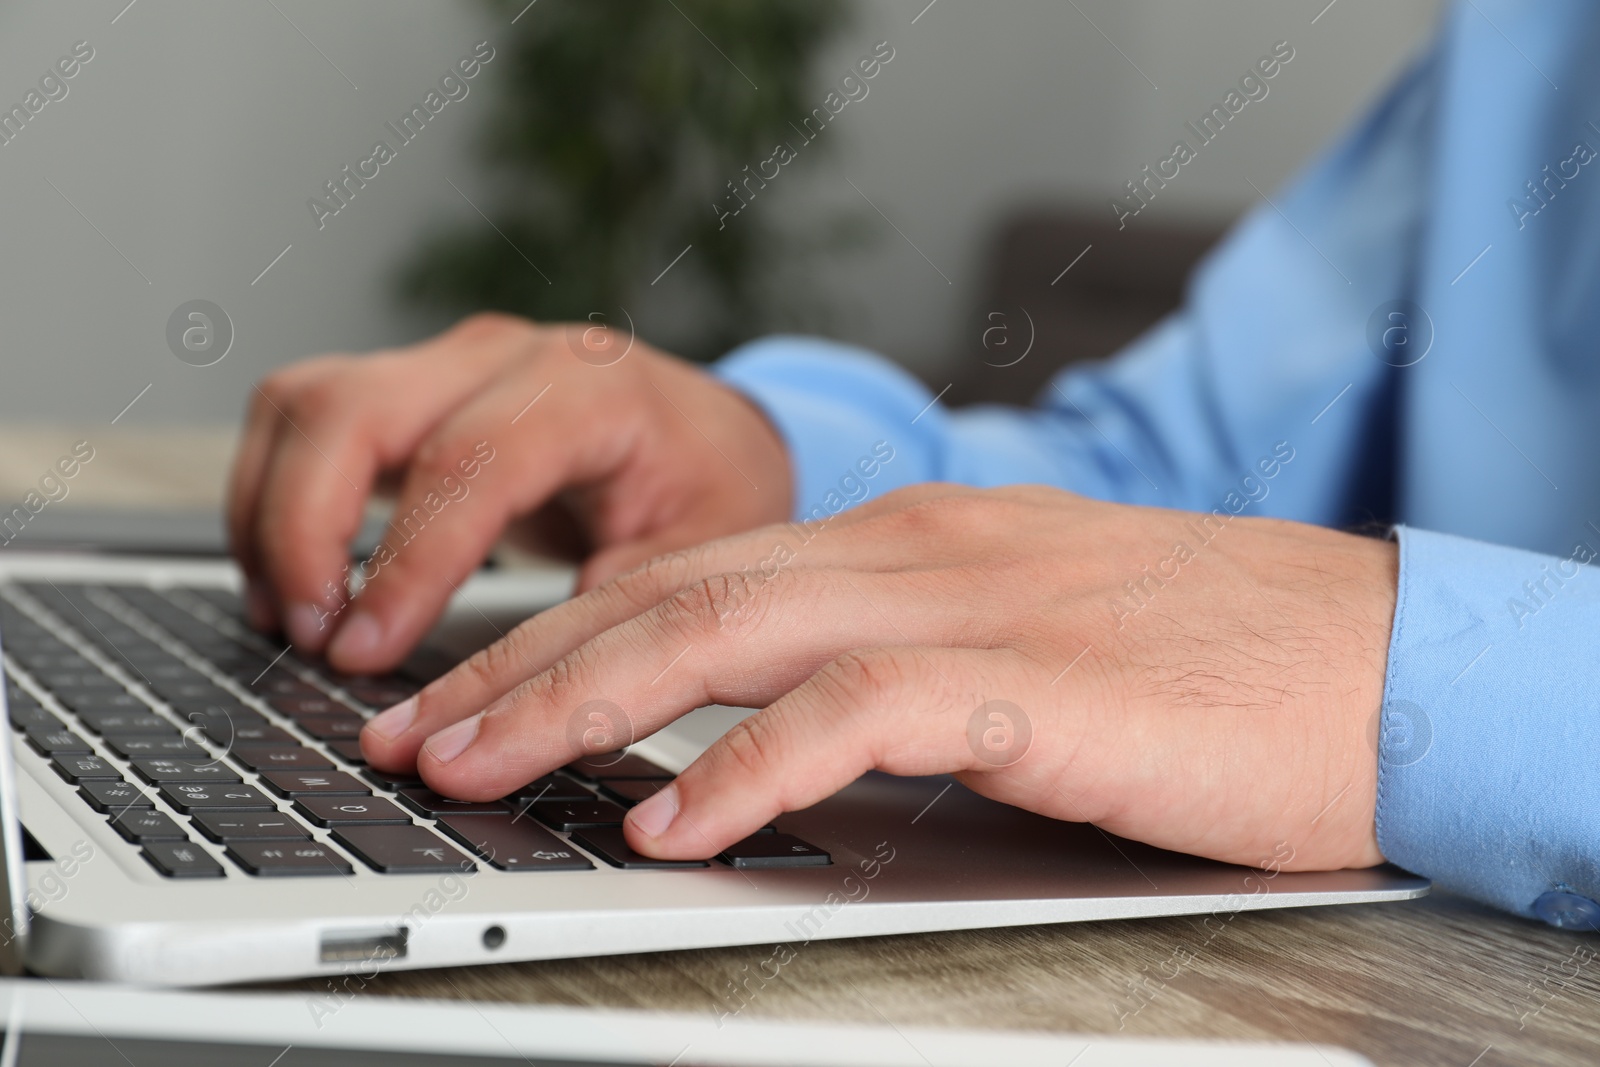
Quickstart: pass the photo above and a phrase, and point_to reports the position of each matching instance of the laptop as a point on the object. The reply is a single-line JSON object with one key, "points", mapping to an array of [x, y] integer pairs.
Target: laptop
{"points": [[74, 1024], [183, 802]]}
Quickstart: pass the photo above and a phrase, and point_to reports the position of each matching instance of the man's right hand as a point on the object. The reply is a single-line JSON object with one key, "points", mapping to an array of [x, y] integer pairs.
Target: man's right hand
{"points": [[590, 432]]}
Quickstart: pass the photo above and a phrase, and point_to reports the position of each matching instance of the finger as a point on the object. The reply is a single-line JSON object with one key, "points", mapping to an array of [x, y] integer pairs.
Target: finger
{"points": [[263, 422], [458, 496], [341, 429], [708, 644], [901, 710], [755, 559]]}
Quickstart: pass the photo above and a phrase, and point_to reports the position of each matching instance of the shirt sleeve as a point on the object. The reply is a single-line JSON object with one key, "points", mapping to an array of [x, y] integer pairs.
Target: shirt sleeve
{"points": [[1490, 725], [1268, 355]]}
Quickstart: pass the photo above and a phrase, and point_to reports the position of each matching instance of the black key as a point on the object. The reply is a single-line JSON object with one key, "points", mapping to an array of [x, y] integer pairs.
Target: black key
{"points": [[616, 765], [430, 805], [574, 814], [774, 850], [50, 742], [608, 843], [332, 727], [360, 811], [314, 783], [385, 780], [182, 859], [132, 748], [77, 769], [85, 681], [158, 771], [190, 797], [631, 791], [126, 723], [287, 858], [249, 826], [231, 734], [402, 849], [281, 757], [380, 694], [115, 796], [103, 702], [552, 787], [349, 751], [175, 692], [25, 716], [299, 706], [513, 844], [140, 825], [221, 722], [282, 683]]}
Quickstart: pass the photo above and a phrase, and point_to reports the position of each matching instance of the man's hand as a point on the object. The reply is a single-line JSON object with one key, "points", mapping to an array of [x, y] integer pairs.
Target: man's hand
{"points": [[586, 431], [1205, 686]]}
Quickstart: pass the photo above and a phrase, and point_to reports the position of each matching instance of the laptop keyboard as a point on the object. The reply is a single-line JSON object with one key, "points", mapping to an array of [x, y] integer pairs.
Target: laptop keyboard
{"points": [[212, 751]]}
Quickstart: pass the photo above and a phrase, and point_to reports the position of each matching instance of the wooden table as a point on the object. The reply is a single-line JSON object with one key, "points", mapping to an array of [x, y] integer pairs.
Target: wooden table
{"points": [[1435, 981]]}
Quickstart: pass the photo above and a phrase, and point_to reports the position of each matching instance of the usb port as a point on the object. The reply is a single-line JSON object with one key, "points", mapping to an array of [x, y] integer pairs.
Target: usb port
{"points": [[362, 946]]}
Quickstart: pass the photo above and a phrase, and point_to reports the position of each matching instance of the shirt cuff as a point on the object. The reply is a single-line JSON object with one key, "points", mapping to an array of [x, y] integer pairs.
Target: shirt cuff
{"points": [[848, 418], [1491, 724]]}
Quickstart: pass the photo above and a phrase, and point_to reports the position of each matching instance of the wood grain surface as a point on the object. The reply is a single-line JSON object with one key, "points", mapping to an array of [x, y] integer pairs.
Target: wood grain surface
{"points": [[1438, 981]]}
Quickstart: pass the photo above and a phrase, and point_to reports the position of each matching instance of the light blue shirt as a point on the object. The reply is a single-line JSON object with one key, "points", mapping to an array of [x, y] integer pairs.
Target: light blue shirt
{"points": [[1471, 190]]}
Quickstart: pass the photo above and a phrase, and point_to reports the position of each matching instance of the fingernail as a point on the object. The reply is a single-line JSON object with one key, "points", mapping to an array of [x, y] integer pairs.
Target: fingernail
{"points": [[357, 638], [306, 625], [258, 605], [450, 742], [394, 722], [653, 816]]}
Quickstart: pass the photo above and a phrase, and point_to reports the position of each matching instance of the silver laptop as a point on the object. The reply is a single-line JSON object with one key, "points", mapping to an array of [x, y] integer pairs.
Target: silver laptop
{"points": [[78, 1024], [184, 803]]}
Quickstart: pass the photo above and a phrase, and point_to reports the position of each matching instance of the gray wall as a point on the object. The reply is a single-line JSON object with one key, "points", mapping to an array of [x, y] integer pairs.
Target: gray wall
{"points": [[193, 138]]}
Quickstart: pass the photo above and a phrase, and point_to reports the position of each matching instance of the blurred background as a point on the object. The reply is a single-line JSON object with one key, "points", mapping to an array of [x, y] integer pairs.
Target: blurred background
{"points": [[586, 170]]}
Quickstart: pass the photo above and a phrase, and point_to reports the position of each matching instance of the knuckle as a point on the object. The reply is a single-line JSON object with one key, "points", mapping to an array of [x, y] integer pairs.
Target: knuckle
{"points": [[753, 747], [485, 324], [875, 677], [709, 604], [643, 587]]}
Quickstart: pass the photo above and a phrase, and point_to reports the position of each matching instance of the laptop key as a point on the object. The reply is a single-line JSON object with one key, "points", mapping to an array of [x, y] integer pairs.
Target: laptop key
{"points": [[50, 742], [27, 716], [106, 702], [132, 748], [242, 735], [512, 844], [141, 824], [349, 751], [311, 783], [281, 757], [385, 780], [111, 797], [552, 787], [161, 771], [608, 843], [431, 805], [402, 849], [631, 791], [332, 727], [191, 797], [182, 859], [359, 811], [77, 769], [616, 765], [297, 707], [223, 827], [774, 850], [577, 814], [269, 859], [126, 723]]}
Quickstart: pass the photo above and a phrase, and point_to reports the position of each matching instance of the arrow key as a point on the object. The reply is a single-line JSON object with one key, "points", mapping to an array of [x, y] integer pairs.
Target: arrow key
{"points": [[402, 849]]}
